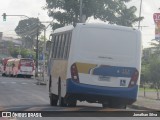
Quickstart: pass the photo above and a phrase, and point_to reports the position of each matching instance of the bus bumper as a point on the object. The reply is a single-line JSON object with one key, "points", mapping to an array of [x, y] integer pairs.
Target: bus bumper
{"points": [[100, 93]]}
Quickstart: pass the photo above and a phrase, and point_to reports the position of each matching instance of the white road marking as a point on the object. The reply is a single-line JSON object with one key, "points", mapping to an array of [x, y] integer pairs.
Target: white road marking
{"points": [[17, 83], [13, 82], [3, 82], [24, 83]]}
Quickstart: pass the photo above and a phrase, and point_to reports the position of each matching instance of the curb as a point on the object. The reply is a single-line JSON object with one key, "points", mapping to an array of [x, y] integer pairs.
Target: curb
{"points": [[138, 107], [40, 82], [141, 108]]}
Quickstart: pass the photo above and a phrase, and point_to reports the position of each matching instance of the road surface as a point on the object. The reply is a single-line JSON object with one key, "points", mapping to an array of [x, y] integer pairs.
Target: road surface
{"points": [[23, 94]]}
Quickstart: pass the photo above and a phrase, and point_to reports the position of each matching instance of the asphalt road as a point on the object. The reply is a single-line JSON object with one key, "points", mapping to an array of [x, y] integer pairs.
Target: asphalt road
{"points": [[23, 94], [21, 91]]}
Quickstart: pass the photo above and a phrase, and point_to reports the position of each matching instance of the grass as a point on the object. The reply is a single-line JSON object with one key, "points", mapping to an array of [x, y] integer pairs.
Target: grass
{"points": [[147, 89]]}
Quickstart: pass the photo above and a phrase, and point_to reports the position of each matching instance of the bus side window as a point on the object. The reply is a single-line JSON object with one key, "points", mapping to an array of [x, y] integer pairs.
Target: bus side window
{"points": [[62, 46], [55, 47], [59, 46], [65, 46], [69, 44], [52, 47]]}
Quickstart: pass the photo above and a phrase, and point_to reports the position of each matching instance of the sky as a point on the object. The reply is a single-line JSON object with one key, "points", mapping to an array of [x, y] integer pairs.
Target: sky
{"points": [[33, 8]]}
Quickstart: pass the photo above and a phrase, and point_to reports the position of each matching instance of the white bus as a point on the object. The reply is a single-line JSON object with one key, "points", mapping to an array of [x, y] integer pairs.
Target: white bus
{"points": [[97, 63]]}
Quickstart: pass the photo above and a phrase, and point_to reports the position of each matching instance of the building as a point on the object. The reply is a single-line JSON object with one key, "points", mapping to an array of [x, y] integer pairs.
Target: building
{"points": [[5, 43]]}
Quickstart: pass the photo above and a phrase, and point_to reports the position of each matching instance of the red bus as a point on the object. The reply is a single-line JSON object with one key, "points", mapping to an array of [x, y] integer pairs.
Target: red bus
{"points": [[20, 67], [4, 63]]}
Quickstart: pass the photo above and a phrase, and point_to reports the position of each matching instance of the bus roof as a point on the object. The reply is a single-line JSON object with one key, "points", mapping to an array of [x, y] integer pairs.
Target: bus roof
{"points": [[96, 25], [63, 29]]}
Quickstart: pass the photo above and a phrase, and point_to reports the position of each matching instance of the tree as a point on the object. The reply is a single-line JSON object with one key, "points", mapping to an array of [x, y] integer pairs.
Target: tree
{"points": [[145, 68], [27, 29], [111, 11], [155, 76], [25, 53]]}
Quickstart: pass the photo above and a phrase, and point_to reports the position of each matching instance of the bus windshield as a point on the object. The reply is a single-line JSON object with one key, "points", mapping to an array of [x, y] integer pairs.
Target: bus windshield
{"points": [[26, 62]]}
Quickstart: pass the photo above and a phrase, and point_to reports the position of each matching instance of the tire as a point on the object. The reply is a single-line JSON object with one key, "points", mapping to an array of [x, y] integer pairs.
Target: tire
{"points": [[117, 105], [28, 76], [63, 102], [17, 76], [3, 74], [53, 100], [105, 105], [72, 103]]}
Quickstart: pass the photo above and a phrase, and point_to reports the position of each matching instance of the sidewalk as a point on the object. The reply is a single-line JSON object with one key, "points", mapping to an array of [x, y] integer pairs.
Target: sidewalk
{"points": [[41, 80], [149, 102]]}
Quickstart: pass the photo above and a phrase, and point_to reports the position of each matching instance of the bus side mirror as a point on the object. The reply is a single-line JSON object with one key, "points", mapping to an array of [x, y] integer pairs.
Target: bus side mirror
{"points": [[48, 46]]}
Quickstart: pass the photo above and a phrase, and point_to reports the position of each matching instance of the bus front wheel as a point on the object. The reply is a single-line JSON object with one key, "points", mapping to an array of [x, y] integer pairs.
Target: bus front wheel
{"points": [[61, 100]]}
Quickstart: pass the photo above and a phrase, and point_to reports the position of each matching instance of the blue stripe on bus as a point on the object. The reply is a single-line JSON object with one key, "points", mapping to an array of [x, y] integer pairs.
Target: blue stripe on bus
{"points": [[114, 71], [79, 88]]}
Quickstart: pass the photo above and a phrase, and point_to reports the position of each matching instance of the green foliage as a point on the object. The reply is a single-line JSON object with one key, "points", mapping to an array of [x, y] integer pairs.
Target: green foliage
{"points": [[111, 11], [28, 27], [150, 70], [145, 74], [27, 30], [155, 70], [15, 51]]}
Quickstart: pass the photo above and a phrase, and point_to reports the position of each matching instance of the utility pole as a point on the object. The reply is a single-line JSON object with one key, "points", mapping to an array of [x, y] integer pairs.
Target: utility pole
{"points": [[44, 51], [139, 23], [81, 13], [44, 47], [36, 70]]}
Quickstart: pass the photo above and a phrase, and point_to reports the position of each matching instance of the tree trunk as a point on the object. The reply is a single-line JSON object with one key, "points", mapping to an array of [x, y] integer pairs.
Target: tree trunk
{"points": [[157, 89], [144, 87]]}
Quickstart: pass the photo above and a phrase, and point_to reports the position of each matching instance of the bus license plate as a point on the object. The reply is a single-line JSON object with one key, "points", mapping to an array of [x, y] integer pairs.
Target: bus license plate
{"points": [[104, 78]]}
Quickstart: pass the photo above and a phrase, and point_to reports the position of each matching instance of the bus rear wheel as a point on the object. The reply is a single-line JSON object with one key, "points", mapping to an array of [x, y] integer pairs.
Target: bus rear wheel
{"points": [[53, 99], [117, 105], [72, 103], [105, 105]]}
